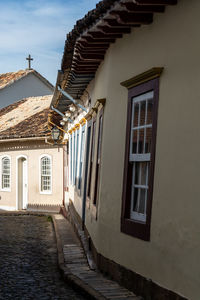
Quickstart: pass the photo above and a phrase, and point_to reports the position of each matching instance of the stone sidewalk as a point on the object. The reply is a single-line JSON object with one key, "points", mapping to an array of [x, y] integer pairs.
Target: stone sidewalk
{"points": [[75, 269]]}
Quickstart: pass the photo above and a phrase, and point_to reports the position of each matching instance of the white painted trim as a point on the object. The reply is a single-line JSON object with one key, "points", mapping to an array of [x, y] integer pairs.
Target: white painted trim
{"points": [[17, 158], [138, 217], [23, 139], [10, 208], [5, 189], [51, 161], [143, 97]]}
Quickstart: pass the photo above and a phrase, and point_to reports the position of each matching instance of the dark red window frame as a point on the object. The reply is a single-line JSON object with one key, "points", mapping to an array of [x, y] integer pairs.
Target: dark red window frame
{"points": [[130, 226], [98, 158], [92, 147]]}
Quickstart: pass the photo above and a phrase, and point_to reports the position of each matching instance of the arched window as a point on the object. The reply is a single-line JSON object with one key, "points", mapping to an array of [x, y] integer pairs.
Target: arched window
{"points": [[5, 173], [46, 174]]}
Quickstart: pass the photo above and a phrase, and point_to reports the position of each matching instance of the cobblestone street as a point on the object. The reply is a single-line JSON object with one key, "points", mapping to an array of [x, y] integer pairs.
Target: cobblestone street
{"points": [[28, 260]]}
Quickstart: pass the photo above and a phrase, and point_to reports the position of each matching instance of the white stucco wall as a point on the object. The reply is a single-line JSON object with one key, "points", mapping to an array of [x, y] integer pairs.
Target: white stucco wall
{"points": [[28, 86], [8, 198]]}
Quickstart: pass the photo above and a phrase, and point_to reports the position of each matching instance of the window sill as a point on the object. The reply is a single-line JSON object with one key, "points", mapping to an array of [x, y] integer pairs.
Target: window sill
{"points": [[46, 193], [136, 229], [5, 190]]}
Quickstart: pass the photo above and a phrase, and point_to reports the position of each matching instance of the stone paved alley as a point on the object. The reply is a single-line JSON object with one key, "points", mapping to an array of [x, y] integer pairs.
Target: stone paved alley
{"points": [[28, 260]]}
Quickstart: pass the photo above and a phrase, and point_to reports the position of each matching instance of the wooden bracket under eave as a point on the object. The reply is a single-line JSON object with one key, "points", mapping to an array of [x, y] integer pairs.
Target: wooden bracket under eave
{"points": [[143, 77], [89, 115], [100, 101]]}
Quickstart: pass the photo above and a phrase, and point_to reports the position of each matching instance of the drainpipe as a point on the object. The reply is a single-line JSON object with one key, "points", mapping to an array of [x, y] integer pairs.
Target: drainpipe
{"points": [[56, 110], [60, 113], [71, 99]]}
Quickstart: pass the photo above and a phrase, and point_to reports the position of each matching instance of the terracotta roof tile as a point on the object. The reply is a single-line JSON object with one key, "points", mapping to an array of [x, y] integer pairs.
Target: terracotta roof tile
{"points": [[25, 118], [34, 126], [9, 78]]}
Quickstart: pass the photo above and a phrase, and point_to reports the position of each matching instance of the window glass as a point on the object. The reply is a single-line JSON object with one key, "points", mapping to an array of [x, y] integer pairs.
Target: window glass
{"points": [[5, 173], [140, 146], [91, 158], [97, 172], [45, 174], [141, 131], [81, 156], [140, 158]]}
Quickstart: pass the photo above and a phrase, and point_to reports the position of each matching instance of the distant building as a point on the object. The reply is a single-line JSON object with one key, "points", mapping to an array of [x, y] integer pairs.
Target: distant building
{"points": [[30, 164], [22, 84]]}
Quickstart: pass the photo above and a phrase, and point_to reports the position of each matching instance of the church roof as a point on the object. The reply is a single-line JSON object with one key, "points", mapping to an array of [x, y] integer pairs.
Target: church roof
{"points": [[7, 79], [25, 118]]}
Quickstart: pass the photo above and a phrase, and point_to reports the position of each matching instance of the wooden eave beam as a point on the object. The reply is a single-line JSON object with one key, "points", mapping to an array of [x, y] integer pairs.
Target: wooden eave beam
{"points": [[85, 64], [85, 44], [75, 84], [83, 72], [101, 50], [102, 35], [132, 7], [92, 56], [91, 51], [108, 29], [79, 77], [78, 59], [118, 23], [89, 39], [129, 17], [84, 68], [157, 2]]}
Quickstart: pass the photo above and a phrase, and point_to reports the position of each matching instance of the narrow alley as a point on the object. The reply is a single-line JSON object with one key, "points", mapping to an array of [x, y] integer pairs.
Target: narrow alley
{"points": [[28, 260]]}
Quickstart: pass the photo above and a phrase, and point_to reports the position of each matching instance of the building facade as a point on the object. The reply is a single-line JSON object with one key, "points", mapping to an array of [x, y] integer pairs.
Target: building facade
{"points": [[30, 164], [133, 155]]}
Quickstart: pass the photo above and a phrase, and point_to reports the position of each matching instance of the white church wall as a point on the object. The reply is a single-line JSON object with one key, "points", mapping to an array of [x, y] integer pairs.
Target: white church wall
{"points": [[28, 86]]}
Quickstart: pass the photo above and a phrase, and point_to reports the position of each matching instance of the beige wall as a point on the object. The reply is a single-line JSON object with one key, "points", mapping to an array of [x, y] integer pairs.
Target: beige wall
{"points": [[33, 153], [171, 258]]}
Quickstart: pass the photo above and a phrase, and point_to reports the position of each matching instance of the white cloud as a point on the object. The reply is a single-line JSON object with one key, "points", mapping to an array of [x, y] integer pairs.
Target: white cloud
{"points": [[37, 27]]}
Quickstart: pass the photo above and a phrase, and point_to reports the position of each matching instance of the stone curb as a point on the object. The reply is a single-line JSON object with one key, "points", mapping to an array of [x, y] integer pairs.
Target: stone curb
{"points": [[70, 278]]}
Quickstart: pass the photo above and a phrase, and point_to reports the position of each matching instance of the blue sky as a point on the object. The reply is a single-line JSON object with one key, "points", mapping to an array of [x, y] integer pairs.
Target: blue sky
{"points": [[38, 27]]}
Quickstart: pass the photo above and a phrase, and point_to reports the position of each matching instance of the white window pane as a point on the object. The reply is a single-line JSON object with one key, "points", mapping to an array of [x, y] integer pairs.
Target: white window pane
{"points": [[45, 174], [139, 190], [148, 140], [5, 173], [141, 208], [142, 113], [148, 95], [141, 141], [135, 113]]}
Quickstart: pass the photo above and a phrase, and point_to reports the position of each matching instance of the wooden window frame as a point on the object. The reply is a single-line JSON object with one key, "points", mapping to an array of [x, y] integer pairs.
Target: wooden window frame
{"points": [[73, 156], [71, 159], [91, 160], [81, 157], [87, 161], [98, 156], [129, 226], [77, 138]]}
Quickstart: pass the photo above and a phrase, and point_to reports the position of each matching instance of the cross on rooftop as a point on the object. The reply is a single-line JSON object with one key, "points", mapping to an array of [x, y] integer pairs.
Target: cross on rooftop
{"points": [[29, 58]]}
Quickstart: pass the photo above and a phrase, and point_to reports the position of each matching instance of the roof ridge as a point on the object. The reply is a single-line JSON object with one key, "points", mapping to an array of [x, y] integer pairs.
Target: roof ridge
{"points": [[7, 79]]}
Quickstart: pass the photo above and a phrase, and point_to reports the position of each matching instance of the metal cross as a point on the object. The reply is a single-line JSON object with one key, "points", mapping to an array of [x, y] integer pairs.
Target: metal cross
{"points": [[29, 61]]}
